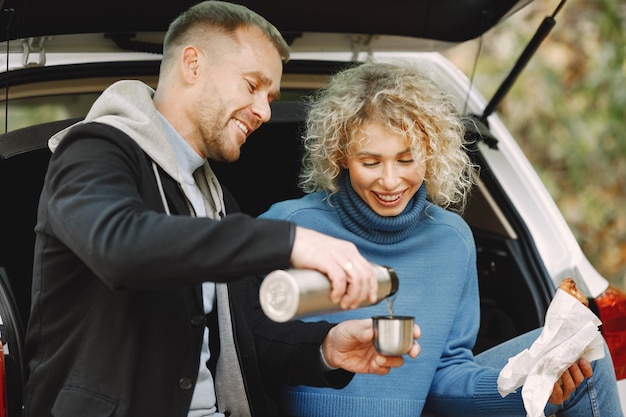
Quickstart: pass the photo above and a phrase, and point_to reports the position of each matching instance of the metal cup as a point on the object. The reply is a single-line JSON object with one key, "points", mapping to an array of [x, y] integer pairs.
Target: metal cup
{"points": [[393, 335]]}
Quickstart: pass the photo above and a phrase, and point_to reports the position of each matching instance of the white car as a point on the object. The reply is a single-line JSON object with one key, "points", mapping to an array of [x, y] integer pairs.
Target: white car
{"points": [[57, 56]]}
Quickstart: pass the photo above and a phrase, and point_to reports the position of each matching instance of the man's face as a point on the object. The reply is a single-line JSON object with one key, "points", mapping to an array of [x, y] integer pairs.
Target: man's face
{"points": [[240, 78]]}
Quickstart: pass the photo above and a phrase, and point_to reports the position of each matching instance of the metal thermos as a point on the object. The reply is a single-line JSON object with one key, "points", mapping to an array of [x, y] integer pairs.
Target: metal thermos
{"points": [[293, 293]]}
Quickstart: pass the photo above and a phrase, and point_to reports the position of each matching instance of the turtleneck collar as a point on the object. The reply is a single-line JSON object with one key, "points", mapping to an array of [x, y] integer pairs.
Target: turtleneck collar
{"points": [[360, 219]]}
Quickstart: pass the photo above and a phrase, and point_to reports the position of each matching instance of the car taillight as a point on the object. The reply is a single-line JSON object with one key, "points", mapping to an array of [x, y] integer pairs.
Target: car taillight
{"points": [[612, 310], [3, 387]]}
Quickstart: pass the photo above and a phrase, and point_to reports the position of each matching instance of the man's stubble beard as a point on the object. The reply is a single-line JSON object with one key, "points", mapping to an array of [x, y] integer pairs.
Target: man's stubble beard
{"points": [[214, 129]]}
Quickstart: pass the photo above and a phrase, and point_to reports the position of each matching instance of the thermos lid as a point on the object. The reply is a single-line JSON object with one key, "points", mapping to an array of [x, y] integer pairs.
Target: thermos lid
{"points": [[279, 296], [395, 282]]}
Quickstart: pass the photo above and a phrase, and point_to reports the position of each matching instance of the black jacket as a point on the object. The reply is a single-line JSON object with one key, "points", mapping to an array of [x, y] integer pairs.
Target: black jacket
{"points": [[117, 319]]}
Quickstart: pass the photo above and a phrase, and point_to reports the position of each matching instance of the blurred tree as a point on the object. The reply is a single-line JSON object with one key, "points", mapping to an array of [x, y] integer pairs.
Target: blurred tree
{"points": [[574, 133]]}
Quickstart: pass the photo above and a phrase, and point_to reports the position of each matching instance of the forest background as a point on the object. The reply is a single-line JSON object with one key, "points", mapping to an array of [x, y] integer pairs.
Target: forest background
{"points": [[567, 111]]}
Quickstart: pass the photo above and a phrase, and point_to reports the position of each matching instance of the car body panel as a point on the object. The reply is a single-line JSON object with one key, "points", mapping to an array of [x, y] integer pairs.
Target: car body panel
{"points": [[446, 20], [512, 203]]}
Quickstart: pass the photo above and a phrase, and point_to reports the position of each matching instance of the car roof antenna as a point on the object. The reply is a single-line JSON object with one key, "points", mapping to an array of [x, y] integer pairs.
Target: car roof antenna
{"points": [[544, 29]]}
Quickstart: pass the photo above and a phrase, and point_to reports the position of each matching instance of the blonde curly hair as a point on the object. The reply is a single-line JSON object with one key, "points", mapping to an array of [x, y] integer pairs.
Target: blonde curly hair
{"points": [[405, 101]]}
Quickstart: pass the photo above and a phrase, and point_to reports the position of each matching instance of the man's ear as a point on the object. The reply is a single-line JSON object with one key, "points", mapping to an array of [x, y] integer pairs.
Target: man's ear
{"points": [[190, 62]]}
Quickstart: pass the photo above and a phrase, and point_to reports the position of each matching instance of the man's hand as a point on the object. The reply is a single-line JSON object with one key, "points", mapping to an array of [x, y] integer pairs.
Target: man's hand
{"points": [[350, 345], [351, 275], [570, 380]]}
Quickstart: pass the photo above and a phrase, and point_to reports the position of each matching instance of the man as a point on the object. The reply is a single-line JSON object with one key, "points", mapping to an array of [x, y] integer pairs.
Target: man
{"points": [[144, 296]]}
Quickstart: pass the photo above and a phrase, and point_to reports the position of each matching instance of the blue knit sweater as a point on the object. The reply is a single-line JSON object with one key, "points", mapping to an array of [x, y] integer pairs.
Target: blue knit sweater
{"points": [[434, 254]]}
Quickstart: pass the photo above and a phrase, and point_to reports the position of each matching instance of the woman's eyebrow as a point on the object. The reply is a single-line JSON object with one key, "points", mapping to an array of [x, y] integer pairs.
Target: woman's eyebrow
{"points": [[367, 153]]}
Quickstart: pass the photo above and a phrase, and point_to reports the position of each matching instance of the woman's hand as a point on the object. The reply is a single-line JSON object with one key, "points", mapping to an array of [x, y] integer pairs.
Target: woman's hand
{"points": [[570, 380], [350, 345]]}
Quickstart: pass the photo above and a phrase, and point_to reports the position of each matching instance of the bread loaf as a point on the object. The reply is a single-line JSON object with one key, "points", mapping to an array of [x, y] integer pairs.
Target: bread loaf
{"points": [[569, 286]]}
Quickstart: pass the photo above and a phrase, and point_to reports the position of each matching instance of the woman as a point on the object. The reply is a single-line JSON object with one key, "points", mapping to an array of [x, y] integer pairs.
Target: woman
{"points": [[385, 167]]}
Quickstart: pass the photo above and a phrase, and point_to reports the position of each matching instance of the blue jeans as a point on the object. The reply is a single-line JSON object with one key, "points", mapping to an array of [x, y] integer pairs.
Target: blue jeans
{"points": [[595, 397]]}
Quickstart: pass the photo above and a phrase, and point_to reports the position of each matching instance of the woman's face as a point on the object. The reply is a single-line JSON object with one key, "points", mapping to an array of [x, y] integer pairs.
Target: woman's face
{"points": [[383, 171]]}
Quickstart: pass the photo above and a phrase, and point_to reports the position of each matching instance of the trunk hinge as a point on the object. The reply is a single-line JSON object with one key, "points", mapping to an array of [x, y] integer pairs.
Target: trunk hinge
{"points": [[359, 44], [33, 52]]}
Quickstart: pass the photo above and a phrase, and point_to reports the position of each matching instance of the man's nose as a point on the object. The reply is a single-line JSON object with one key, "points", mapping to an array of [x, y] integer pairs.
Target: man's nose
{"points": [[262, 109]]}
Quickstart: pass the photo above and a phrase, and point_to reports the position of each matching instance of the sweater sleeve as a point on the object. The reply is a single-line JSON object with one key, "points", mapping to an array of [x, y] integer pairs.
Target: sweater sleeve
{"points": [[461, 386]]}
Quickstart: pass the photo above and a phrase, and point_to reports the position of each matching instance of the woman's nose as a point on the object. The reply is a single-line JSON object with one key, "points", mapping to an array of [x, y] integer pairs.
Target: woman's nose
{"points": [[390, 177]]}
